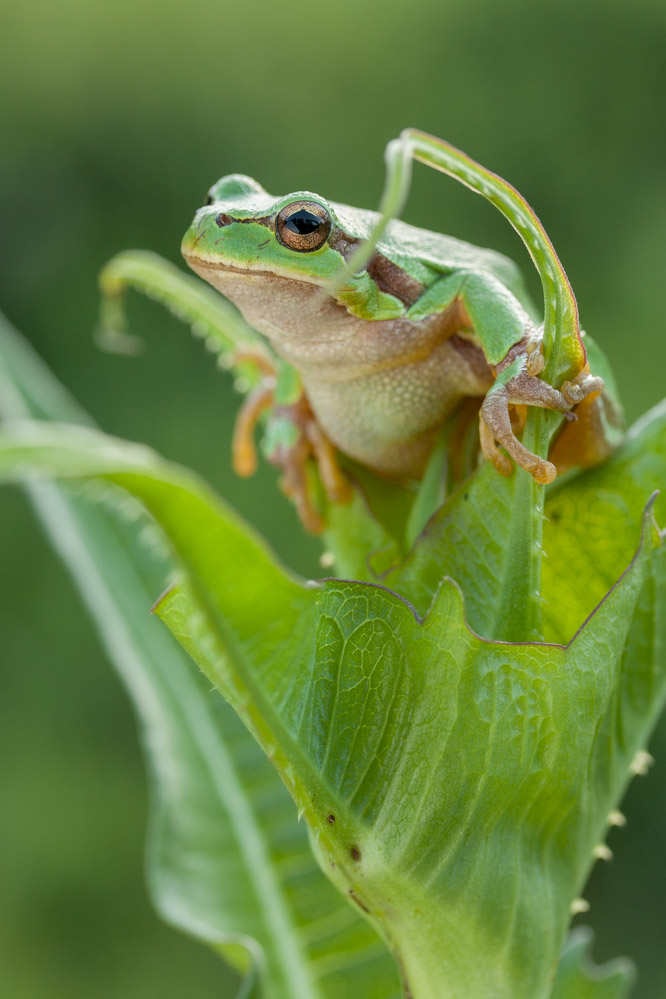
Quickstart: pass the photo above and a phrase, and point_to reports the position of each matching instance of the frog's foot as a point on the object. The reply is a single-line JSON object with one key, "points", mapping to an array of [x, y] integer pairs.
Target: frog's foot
{"points": [[495, 423], [295, 438], [301, 440]]}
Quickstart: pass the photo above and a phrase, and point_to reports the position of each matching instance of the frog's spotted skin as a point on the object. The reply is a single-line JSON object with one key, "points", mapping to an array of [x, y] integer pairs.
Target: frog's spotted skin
{"points": [[391, 352]]}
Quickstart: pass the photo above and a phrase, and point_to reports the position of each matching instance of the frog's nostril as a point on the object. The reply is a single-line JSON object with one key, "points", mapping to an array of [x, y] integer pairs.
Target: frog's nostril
{"points": [[223, 220]]}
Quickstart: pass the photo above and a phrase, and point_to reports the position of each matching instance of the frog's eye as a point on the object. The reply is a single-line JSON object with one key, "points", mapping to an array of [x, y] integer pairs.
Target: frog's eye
{"points": [[303, 226]]}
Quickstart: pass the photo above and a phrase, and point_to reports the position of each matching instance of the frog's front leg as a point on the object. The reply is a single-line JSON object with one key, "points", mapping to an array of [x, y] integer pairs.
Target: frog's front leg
{"points": [[293, 438], [244, 453]]}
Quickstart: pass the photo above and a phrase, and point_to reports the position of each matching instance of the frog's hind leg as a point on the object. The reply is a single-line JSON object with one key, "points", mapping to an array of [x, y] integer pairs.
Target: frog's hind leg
{"points": [[333, 478], [295, 438], [294, 482], [515, 386]]}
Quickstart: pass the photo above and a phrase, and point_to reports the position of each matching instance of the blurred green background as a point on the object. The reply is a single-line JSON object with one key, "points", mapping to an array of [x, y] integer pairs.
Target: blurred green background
{"points": [[115, 119]]}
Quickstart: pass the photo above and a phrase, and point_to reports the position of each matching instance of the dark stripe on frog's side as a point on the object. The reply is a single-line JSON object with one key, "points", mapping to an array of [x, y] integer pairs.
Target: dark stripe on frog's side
{"points": [[223, 219], [474, 357], [387, 276]]}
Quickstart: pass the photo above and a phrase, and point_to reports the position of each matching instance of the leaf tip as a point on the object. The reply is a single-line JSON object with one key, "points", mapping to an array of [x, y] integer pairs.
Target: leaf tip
{"points": [[162, 597]]}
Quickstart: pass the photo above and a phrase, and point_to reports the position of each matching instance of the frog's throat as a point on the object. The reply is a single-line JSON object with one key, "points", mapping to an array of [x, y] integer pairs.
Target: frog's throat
{"points": [[281, 307]]}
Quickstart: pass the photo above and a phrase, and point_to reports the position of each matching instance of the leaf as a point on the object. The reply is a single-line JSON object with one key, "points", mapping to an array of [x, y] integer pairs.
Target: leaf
{"points": [[578, 978], [469, 780], [592, 523], [590, 534], [227, 861], [211, 317]]}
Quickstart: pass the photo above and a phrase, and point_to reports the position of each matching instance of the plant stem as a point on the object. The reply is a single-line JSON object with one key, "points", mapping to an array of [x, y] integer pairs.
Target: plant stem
{"points": [[519, 614]]}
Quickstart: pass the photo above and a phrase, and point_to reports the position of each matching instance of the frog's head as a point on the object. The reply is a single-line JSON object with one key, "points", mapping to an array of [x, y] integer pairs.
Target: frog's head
{"points": [[244, 227], [273, 256]]}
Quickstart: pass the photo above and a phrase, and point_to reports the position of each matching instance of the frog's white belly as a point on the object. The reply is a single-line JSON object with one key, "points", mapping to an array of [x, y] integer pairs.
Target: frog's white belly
{"points": [[389, 419]]}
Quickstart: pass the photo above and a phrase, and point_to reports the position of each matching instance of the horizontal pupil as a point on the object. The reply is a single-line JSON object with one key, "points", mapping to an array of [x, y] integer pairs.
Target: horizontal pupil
{"points": [[303, 222]]}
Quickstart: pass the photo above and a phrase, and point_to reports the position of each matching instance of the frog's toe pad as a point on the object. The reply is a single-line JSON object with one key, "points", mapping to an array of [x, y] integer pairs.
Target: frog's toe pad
{"points": [[534, 359], [581, 386], [543, 471]]}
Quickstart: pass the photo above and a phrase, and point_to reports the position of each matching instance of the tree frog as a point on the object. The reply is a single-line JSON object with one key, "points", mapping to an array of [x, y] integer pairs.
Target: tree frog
{"points": [[387, 351]]}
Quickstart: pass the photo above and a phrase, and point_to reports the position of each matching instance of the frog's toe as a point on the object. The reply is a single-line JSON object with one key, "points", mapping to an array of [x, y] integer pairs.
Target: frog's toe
{"points": [[243, 450], [490, 450], [534, 359], [581, 386]]}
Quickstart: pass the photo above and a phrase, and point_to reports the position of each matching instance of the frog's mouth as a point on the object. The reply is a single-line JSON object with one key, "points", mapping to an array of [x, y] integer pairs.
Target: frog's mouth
{"points": [[200, 264]]}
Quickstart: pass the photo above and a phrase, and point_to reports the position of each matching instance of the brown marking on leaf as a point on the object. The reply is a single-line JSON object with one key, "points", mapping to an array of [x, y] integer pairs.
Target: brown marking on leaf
{"points": [[407, 991], [354, 897]]}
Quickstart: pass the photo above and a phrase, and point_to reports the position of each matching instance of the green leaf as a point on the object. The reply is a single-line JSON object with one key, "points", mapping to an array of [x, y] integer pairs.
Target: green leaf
{"points": [[469, 780], [592, 524], [590, 534], [578, 978], [227, 860]]}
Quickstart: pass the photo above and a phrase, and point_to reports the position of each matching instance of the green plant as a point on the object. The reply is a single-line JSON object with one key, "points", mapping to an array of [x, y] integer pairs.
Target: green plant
{"points": [[457, 775], [469, 780]]}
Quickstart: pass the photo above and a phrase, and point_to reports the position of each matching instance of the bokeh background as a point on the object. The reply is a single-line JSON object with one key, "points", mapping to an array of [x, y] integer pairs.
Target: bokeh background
{"points": [[116, 117]]}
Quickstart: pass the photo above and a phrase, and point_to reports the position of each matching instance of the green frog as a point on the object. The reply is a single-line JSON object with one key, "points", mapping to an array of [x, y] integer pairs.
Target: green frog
{"points": [[390, 327]]}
